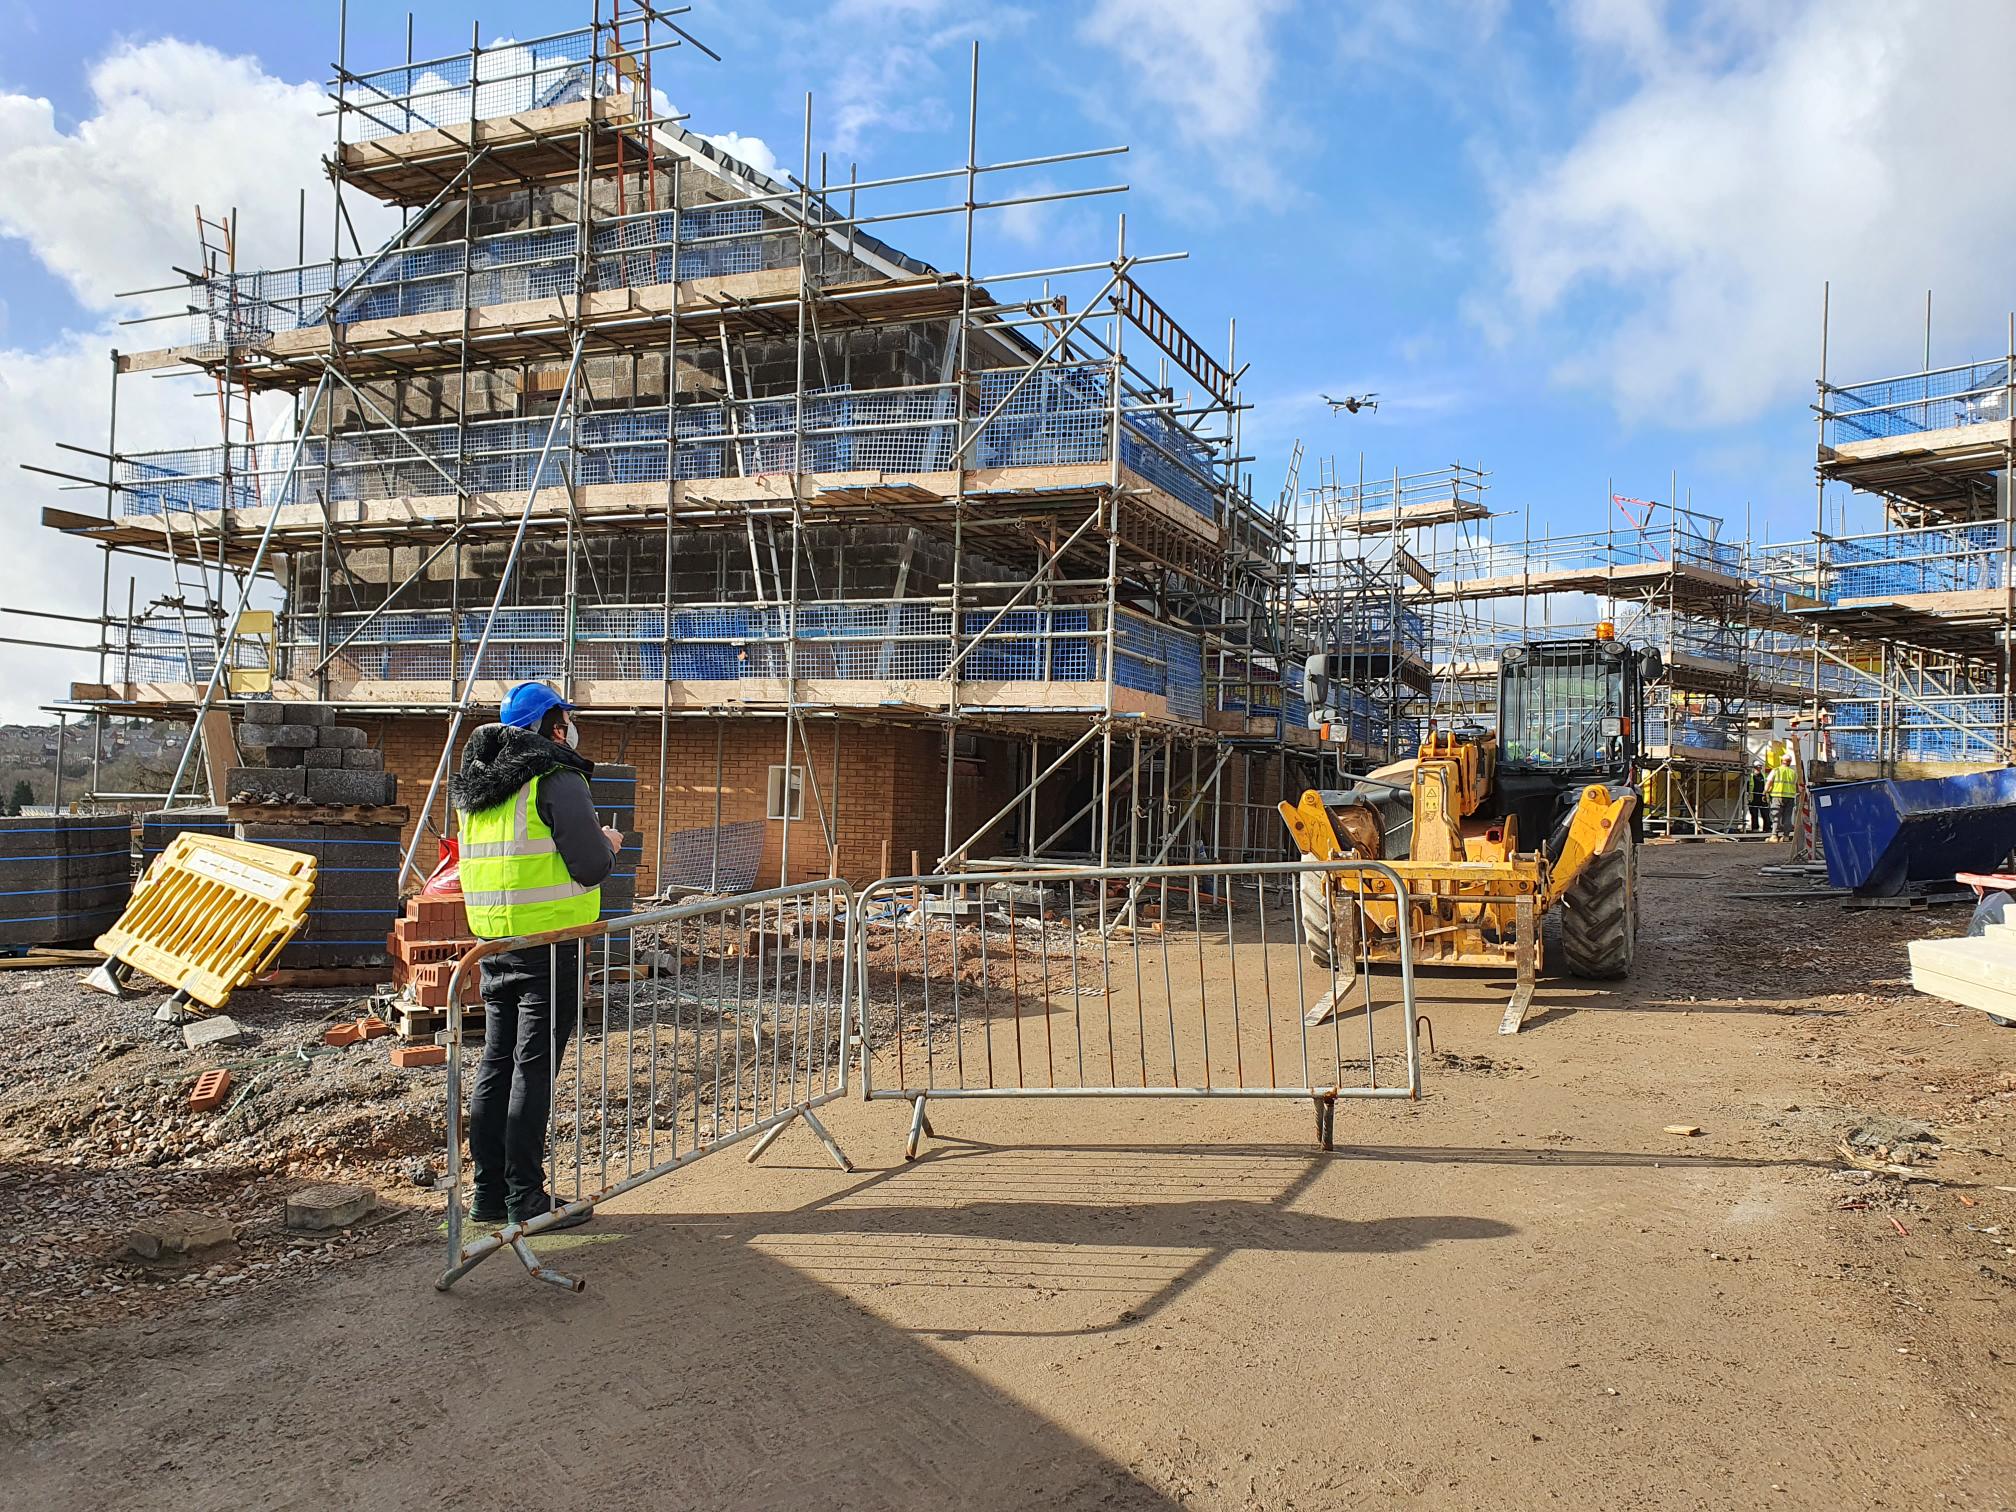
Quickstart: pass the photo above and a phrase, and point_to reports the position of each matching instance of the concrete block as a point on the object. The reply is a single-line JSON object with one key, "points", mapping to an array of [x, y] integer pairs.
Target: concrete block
{"points": [[283, 784], [178, 1232], [258, 736], [363, 761], [263, 713], [340, 786], [329, 1207], [309, 714], [213, 1033], [322, 760], [342, 738]]}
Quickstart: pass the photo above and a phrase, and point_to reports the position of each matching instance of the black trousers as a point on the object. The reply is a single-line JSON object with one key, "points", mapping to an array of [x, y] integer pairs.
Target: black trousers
{"points": [[531, 1002]]}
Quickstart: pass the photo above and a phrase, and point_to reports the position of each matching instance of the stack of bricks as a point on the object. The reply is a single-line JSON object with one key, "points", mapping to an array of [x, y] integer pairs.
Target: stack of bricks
{"points": [[425, 945], [297, 753]]}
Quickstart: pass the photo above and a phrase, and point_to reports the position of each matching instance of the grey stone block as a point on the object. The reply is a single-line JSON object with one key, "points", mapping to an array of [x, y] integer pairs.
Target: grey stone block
{"points": [[339, 786], [213, 1033], [260, 736], [342, 738], [284, 783], [364, 761], [309, 714], [178, 1232], [328, 1207], [263, 713], [319, 758]]}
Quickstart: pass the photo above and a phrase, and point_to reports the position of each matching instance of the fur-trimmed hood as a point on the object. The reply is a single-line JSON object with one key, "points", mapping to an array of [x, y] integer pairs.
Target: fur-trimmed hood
{"points": [[500, 759]]}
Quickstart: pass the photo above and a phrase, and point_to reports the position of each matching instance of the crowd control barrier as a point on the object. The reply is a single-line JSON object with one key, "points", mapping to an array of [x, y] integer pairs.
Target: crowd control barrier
{"points": [[1179, 982], [721, 1021]]}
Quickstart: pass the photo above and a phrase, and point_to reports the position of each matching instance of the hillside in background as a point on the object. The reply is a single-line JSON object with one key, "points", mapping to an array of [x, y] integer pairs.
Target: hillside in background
{"points": [[138, 756]]}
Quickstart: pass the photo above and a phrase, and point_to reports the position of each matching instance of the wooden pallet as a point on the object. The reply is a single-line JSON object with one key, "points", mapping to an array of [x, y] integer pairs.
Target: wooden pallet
{"points": [[316, 813], [417, 1025]]}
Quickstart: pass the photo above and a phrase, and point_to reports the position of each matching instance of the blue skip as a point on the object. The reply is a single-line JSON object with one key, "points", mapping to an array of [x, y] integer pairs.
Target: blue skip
{"points": [[1880, 837]]}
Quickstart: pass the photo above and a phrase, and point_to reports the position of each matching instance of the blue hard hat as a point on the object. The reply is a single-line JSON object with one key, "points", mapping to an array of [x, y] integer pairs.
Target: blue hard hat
{"points": [[528, 703]]}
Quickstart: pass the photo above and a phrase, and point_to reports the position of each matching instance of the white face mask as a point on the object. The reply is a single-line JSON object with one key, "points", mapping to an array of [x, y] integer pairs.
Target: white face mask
{"points": [[572, 738]]}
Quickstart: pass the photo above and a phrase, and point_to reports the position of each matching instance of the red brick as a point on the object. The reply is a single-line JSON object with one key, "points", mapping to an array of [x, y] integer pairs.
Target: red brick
{"points": [[209, 1091], [371, 1027], [409, 1056], [342, 1034]]}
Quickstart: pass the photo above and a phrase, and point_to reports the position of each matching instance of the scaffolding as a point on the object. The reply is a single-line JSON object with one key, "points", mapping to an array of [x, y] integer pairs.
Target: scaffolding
{"points": [[1911, 616], [1659, 574], [615, 410]]}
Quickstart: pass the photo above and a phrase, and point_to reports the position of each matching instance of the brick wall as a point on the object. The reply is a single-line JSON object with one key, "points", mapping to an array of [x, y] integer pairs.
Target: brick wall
{"points": [[890, 791], [890, 786]]}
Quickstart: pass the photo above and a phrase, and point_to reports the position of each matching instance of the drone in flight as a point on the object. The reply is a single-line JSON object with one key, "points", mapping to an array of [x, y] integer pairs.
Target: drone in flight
{"points": [[1353, 403]]}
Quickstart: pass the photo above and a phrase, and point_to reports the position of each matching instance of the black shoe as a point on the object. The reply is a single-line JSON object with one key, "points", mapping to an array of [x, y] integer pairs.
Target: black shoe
{"points": [[572, 1220], [488, 1212]]}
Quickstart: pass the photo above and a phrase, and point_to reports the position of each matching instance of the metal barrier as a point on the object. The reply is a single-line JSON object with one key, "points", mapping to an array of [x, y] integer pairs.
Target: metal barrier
{"points": [[1187, 981], [722, 1020]]}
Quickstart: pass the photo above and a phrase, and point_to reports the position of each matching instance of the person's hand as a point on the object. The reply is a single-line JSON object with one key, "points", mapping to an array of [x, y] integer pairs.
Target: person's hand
{"points": [[614, 837]]}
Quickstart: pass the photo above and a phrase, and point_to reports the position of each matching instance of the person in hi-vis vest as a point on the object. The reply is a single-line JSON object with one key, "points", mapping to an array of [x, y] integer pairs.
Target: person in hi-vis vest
{"points": [[1781, 785], [533, 858]]}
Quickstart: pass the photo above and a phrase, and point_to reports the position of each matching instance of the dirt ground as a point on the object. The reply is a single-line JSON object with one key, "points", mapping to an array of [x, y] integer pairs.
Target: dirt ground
{"points": [[1518, 1292]]}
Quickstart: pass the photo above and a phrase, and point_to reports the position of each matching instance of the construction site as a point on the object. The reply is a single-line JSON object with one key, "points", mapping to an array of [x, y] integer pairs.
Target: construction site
{"points": [[1031, 804]]}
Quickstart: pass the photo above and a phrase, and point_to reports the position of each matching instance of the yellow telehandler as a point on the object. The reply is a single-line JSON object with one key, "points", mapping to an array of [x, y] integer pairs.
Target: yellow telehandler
{"points": [[1492, 831]]}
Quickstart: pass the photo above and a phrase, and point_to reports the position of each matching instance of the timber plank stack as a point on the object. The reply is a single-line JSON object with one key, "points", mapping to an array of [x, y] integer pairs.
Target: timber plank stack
{"points": [[1976, 972]]}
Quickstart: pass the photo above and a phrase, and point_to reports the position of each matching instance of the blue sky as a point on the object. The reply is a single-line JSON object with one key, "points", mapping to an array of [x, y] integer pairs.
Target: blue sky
{"points": [[1574, 242]]}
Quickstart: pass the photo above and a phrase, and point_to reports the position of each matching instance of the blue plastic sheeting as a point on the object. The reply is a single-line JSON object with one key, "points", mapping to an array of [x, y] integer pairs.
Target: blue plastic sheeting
{"points": [[1880, 836], [1061, 416], [1915, 561], [1159, 659], [514, 76], [1971, 395], [833, 640], [509, 266], [1055, 418], [1965, 727]]}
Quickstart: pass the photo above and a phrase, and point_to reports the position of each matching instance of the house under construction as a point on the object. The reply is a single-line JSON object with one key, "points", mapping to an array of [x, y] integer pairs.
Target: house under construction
{"points": [[863, 563]]}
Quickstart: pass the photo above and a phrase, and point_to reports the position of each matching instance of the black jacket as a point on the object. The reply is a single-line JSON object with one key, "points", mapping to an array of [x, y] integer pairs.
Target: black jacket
{"points": [[500, 759]]}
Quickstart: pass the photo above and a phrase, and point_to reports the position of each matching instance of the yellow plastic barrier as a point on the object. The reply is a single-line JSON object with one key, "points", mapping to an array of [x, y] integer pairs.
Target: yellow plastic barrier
{"points": [[209, 915]]}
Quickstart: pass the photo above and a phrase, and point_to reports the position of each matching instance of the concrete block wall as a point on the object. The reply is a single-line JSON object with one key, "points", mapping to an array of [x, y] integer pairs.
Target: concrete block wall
{"points": [[708, 567]]}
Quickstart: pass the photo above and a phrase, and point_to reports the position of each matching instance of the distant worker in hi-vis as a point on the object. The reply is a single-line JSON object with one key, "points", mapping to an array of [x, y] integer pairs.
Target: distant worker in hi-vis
{"points": [[533, 858], [1781, 785]]}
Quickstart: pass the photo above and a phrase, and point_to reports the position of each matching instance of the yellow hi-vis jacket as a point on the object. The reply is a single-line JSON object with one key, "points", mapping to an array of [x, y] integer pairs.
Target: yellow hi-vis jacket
{"points": [[1781, 782], [514, 881]]}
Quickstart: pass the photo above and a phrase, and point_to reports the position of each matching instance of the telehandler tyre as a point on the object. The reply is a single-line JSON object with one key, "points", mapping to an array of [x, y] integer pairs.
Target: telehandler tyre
{"points": [[1599, 914]]}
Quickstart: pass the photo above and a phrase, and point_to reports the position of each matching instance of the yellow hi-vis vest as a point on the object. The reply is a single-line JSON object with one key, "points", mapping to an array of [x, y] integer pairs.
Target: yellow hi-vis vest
{"points": [[514, 881], [1781, 782]]}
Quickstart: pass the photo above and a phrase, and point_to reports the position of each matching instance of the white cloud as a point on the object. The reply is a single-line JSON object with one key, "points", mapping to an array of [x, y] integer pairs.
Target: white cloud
{"points": [[110, 205], [752, 150], [884, 64], [1206, 66], [1687, 231]]}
